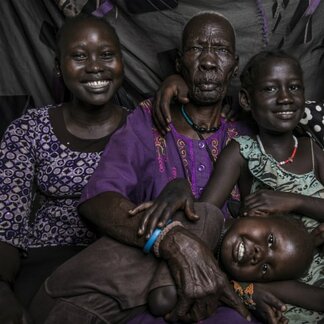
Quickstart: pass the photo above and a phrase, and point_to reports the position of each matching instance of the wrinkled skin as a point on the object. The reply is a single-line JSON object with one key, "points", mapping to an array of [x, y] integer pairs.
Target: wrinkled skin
{"points": [[201, 286], [175, 88], [176, 195]]}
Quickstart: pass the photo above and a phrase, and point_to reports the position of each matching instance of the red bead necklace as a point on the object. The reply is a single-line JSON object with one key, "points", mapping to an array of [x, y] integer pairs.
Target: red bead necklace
{"points": [[291, 157]]}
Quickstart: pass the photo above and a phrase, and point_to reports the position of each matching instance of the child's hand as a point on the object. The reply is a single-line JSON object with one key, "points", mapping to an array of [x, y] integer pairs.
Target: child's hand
{"points": [[266, 202], [172, 87], [268, 307], [176, 195]]}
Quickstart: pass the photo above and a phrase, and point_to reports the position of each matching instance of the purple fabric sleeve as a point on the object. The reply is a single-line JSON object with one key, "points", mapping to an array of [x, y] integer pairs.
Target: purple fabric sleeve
{"points": [[122, 160]]}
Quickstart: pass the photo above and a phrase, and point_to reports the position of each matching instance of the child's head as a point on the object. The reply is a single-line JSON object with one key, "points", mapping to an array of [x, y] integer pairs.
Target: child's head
{"points": [[272, 89], [89, 59], [266, 249]]}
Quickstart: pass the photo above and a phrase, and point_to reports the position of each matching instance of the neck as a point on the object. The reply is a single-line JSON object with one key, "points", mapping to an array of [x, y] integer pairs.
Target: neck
{"points": [[202, 120], [89, 115], [91, 122]]}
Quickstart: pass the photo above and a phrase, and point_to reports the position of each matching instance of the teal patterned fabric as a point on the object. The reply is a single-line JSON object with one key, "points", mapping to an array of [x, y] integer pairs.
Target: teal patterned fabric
{"points": [[268, 175]]}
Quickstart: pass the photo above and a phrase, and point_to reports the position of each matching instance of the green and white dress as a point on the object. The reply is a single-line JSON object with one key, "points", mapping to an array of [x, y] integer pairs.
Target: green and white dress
{"points": [[268, 175]]}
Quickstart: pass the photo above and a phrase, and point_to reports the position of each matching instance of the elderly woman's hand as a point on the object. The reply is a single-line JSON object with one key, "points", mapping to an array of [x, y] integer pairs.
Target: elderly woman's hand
{"points": [[201, 285], [176, 195], [173, 87]]}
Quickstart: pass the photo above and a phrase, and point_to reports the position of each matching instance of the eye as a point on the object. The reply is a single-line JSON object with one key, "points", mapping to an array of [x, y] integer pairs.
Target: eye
{"points": [[295, 87], [270, 240], [270, 89], [78, 56], [107, 55], [195, 49], [222, 50], [264, 269]]}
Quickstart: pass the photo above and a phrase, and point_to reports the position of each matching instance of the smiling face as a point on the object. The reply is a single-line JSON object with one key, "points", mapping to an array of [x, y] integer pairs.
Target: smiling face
{"points": [[276, 98], [90, 61], [208, 60], [266, 249]]}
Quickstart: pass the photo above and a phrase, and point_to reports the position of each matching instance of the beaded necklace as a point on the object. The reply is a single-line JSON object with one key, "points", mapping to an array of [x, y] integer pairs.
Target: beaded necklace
{"points": [[291, 157], [197, 128], [199, 131]]}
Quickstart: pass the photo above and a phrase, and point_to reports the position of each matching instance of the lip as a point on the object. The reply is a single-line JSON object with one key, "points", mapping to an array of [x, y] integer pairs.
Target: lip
{"points": [[207, 86]]}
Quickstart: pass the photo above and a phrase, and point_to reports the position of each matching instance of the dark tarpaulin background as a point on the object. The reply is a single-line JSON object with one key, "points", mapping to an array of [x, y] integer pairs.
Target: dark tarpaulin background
{"points": [[150, 33]]}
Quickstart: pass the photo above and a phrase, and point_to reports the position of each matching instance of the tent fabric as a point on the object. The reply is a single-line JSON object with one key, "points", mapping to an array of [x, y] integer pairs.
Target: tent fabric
{"points": [[150, 33]]}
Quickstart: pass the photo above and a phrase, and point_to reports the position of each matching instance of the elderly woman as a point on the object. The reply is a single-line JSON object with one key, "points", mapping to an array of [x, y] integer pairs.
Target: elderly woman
{"points": [[135, 167]]}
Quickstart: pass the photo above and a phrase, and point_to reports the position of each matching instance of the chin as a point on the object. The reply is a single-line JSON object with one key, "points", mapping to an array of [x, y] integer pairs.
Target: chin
{"points": [[207, 99]]}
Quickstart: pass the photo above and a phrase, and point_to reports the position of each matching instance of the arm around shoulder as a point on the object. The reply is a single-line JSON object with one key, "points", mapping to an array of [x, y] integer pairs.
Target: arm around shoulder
{"points": [[227, 171]]}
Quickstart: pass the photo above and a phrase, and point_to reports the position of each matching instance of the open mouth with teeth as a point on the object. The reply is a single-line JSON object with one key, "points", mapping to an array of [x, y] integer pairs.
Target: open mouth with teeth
{"points": [[285, 114], [97, 84], [240, 251]]}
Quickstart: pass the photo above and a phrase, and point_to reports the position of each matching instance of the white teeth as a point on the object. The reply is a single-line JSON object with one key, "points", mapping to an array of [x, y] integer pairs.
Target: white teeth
{"points": [[97, 84], [241, 251], [285, 113]]}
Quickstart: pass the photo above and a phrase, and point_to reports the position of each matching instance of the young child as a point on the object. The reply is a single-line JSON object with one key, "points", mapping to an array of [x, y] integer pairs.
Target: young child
{"points": [[276, 171]]}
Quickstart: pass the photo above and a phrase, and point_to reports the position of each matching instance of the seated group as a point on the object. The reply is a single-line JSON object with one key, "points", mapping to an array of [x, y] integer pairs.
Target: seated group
{"points": [[133, 220]]}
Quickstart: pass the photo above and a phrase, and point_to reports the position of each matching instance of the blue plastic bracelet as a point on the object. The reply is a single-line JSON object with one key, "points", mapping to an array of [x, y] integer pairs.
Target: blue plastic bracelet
{"points": [[150, 242]]}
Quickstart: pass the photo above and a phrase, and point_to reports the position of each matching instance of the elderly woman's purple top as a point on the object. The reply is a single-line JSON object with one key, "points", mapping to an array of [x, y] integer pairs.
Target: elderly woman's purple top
{"points": [[139, 162]]}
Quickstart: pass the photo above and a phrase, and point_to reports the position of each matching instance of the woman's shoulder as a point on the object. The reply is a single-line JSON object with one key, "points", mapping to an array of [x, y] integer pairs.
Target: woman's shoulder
{"points": [[142, 114], [37, 114], [30, 119]]}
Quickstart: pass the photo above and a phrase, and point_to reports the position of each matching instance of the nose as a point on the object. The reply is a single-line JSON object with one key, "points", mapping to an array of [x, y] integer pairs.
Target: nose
{"points": [[94, 65], [258, 254], [208, 60], [284, 96]]}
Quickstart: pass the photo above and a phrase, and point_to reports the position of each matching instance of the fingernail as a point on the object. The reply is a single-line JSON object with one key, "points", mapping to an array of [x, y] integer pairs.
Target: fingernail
{"points": [[248, 318]]}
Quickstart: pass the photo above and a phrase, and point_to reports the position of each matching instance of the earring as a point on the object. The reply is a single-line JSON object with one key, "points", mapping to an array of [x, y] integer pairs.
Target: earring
{"points": [[58, 74]]}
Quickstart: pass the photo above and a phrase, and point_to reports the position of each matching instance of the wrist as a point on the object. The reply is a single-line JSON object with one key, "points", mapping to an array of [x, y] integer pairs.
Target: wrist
{"points": [[174, 242]]}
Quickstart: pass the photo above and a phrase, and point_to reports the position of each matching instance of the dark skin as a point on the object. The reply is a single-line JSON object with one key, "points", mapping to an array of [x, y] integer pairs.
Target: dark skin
{"points": [[90, 63], [93, 73], [207, 74], [266, 242], [278, 87]]}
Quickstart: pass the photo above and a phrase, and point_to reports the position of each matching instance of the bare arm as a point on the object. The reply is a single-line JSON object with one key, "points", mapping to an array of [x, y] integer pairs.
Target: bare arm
{"points": [[228, 169], [296, 293], [109, 212]]}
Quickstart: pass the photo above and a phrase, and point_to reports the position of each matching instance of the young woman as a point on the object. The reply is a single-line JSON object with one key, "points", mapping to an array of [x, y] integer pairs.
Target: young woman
{"points": [[53, 151]]}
